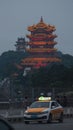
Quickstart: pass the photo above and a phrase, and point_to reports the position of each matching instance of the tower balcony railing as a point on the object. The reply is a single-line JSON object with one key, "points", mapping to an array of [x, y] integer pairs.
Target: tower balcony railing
{"points": [[33, 60], [39, 36], [42, 43], [41, 50]]}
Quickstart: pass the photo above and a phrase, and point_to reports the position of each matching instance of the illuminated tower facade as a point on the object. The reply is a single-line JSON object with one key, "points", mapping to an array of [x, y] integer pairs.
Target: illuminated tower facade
{"points": [[41, 44]]}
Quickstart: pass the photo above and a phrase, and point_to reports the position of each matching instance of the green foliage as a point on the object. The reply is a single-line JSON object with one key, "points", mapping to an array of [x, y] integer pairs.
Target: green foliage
{"points": [[67, 60], [47, 76], [54, 75], [8, 61]]}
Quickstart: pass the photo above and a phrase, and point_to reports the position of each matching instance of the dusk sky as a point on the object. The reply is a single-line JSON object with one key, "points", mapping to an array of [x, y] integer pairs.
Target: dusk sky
{"points": [[17, 15]]}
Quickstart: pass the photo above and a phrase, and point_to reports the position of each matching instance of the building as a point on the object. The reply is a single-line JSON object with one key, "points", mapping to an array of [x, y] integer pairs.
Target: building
{"points": [[20, 44], [40, 47]]}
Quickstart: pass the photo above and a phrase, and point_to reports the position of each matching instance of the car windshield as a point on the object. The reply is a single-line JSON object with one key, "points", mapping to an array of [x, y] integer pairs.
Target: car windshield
{"points": [[39, 105]]}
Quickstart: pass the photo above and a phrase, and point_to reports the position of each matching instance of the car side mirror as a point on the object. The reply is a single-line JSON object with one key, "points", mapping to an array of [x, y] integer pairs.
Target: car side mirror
{"points": [[4, 125], [53, 107], [27, 107]]}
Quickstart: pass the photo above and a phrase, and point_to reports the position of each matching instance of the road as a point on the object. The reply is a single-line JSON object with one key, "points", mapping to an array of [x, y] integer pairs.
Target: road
{"points": [[66, 125]]}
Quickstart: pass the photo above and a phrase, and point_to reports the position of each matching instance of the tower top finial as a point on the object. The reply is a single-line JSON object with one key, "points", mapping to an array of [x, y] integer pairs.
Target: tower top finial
{"points": [[41, 19]]}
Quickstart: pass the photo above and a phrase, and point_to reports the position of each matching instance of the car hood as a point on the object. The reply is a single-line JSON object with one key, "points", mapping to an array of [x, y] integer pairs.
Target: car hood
{"points": [[37, 109]]}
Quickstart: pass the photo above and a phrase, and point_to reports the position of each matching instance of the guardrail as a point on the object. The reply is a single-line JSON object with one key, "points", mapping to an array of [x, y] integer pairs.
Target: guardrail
{"points": [[15, 115], [68, 112]]}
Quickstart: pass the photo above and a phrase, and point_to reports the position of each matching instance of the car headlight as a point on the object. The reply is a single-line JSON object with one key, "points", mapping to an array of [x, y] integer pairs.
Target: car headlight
{"points": [[44, 112], [26, 112]]}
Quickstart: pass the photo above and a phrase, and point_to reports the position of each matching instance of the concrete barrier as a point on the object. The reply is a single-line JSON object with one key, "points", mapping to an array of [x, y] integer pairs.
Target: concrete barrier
{"points": [[15, 119], [68, 112]]}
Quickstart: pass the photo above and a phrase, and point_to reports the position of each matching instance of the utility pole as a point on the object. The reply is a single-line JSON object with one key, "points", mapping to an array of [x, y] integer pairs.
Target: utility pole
{"points": [[53, 93]]}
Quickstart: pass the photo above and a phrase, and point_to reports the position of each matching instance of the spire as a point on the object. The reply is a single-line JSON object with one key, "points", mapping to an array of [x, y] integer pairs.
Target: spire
{"points": [[41, 20]]}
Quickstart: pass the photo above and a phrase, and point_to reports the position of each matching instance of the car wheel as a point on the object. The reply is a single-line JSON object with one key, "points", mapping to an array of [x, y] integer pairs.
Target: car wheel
{"points": [[26, 122], [49, 119], [61, 118]]}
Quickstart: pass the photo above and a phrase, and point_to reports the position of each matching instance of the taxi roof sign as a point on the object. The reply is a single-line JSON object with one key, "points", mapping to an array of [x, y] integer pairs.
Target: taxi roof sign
{"points": [[44, 98]]}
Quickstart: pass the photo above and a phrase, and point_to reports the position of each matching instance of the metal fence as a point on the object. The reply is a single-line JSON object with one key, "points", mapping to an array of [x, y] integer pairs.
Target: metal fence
{"points": [[31, 94], [17, 115]]}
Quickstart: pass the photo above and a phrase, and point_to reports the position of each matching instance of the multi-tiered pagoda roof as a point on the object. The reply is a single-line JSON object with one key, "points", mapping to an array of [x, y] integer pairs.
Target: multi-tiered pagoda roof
{"points": [[41, 46]]}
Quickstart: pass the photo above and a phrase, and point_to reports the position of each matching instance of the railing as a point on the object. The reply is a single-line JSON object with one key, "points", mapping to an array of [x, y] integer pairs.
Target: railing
{"points": [[18, 114]]}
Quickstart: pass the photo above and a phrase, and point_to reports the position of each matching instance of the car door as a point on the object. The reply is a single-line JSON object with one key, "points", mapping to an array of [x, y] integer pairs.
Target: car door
{"points": [[55, 110]]}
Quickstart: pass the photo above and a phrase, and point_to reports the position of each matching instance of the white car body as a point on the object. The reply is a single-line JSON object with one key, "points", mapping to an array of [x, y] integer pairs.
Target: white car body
{"points": [[44, 111]]}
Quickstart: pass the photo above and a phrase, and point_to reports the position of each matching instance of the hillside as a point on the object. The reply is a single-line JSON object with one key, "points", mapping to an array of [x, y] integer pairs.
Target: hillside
{"points": [[8, 61], [10, 58], [55, 75]]}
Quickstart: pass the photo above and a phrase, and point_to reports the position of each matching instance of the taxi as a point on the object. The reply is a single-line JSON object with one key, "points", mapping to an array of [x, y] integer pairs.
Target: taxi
{"points": [[44, 109]]}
